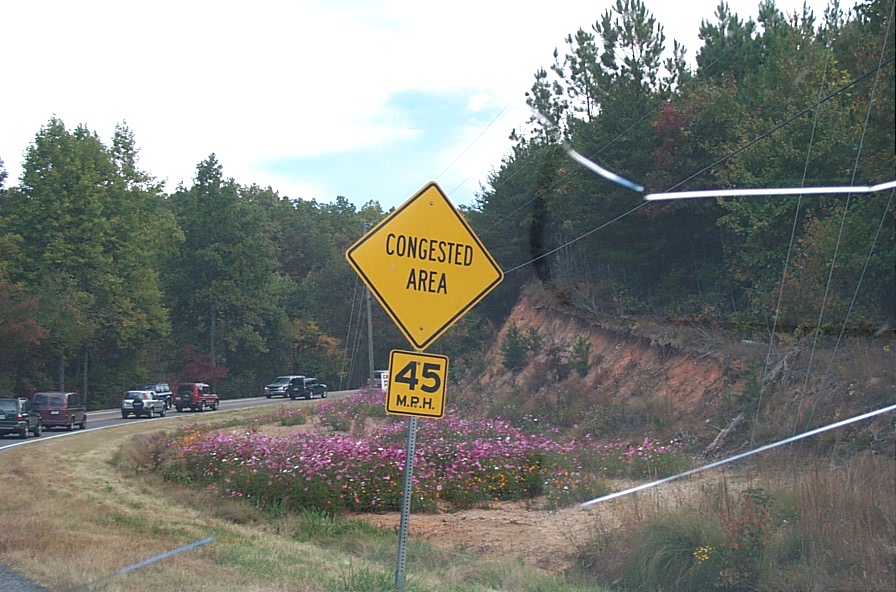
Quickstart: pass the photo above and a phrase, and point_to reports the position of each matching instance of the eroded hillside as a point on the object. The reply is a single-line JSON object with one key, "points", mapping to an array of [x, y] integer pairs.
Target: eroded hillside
{"points": [[689, 378]]}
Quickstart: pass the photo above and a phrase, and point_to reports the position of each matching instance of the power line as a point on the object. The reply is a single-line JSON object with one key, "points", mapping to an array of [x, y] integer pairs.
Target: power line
{"points": [[739, 192], [737, 457]]}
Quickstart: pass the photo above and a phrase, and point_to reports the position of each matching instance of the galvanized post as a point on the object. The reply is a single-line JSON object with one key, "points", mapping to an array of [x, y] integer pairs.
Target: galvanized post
{"points": [[406, 504]]}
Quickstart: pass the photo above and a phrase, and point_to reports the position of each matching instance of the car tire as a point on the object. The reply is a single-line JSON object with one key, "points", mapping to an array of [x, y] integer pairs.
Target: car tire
{"points": [[179, 408], [215, 406], [71, 424], [38, 430], [162, 411], [323, 395], [124, 415], [202, 406], [83, 424], [23, 433], [151, 413], [268, 396]]}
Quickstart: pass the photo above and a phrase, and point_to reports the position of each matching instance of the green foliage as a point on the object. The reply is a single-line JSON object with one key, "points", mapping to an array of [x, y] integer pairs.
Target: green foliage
{"points": [[580, 356], [88, 223], [293, 418], [740, 121], [516, 347], [675, 552]]}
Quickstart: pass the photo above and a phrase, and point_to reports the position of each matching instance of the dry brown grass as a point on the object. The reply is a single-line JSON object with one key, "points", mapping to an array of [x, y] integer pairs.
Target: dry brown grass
{"points": [[70, 518], [831, 525]]}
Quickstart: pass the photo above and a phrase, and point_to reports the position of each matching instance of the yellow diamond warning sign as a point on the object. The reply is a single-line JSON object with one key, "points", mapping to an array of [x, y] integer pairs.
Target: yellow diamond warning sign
{"points": [[425, 265]]}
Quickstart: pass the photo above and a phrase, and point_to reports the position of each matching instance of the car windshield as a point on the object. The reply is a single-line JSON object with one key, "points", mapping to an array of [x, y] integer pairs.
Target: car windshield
{"points": [[281, 380], [185, 390], [8, 406], [134, 395]]}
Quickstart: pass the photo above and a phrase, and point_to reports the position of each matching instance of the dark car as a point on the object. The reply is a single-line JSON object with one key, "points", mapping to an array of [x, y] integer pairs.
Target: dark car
{"points": [[18, 416], [162, 391], [306, 388], [61, 409], [278, 386]]}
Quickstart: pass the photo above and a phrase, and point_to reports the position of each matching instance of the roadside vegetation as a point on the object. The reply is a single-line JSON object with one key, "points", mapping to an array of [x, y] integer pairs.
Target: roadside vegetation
{"points": [[108, 503], [777, 532], [99, 510], [459, 462], [805, 525]]}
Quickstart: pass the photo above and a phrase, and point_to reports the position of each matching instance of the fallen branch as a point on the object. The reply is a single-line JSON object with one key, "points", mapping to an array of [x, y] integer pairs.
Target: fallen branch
{"points": [[720, 438]]}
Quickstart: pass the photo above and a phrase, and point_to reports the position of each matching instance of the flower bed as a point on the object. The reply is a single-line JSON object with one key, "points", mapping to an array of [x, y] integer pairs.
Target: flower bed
{"points": [[459, 462]]}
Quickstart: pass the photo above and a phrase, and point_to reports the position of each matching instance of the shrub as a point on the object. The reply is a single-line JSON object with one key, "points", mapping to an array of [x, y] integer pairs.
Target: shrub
{"points": [[293, 417], [675, 551], [579, 358], [514, 348]]}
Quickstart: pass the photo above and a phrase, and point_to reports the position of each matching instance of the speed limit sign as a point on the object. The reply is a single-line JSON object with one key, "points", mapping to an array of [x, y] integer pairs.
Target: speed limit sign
{"points": [[417, 384]]}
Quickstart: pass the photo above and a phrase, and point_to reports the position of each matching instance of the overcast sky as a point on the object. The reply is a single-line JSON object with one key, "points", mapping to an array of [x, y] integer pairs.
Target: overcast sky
{"points": [[366, 99]]}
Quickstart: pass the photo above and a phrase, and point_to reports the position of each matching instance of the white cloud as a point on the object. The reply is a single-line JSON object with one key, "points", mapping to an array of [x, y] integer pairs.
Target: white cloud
{"points": [[267, 80]]}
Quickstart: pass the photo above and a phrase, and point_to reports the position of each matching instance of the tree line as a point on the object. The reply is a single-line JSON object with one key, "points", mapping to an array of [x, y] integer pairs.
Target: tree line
{"points": [[785, 101], [106, 280]]}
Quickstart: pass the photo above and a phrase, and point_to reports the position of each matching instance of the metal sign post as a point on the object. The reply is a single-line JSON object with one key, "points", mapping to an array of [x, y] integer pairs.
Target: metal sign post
{"points": [[427, 268], [406, 504]]}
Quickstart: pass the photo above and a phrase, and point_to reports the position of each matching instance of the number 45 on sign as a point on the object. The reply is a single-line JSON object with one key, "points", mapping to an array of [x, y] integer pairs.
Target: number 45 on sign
{"points": [[416, 384]]}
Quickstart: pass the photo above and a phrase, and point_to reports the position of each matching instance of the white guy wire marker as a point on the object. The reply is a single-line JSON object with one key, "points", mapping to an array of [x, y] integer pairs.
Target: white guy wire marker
{"points": [[769, 191], [589, 164], [742, 455]]}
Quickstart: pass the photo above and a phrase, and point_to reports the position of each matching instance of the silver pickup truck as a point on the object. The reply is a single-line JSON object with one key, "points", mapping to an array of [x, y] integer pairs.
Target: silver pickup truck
{"points": [[142, 403]]}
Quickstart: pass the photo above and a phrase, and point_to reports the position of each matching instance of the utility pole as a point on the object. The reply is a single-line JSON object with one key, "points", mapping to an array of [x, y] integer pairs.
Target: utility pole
{"points": [[369, 338], [371, 368]]}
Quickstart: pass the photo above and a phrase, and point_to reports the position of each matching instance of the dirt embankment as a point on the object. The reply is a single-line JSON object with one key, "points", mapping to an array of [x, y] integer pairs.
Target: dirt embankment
{"points": [[692, 376]]}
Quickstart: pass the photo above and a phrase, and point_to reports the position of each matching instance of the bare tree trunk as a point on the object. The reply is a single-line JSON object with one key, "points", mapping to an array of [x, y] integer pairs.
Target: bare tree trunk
{"points": [[61, 371], [84, 378], [212, 321]]}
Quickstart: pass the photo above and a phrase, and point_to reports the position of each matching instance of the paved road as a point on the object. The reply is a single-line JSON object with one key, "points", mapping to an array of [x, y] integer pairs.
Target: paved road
{"points": [[12, 581], [112, 417]]}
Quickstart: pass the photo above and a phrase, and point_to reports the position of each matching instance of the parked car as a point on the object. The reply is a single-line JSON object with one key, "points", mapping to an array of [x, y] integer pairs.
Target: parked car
{"points": [[306, 387], [198, 396], [162, 391], [142, 404], [60, 409], [278, 387], [18, 416]]}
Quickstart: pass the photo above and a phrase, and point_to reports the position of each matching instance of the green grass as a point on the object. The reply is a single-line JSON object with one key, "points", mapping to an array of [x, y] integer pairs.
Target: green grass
{"points": [[318, 551]]}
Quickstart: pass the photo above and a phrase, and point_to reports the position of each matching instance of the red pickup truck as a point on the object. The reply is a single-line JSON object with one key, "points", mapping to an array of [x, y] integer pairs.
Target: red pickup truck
{"points": [[198, 396]]}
